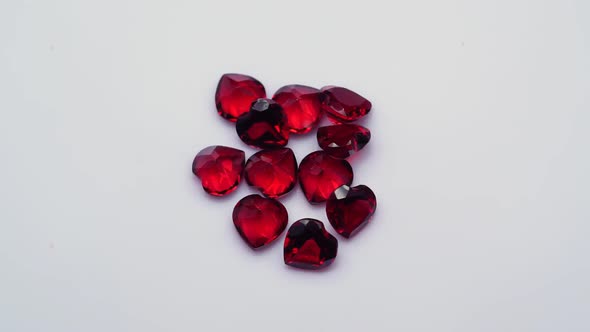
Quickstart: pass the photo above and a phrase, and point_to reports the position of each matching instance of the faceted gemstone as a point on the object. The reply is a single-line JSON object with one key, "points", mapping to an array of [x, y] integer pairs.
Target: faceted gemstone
{"points": [[235, 93], [273, 172], [264, 126], [259, 220], [341, 141], [320, 175], [343, 105], [302, 105], [309, 246], [349, 209], [219, 168]]}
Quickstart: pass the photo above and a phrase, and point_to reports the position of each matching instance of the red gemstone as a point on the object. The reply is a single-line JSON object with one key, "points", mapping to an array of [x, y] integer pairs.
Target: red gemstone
{"points": [[259, 220], [349, 209], [273, 172], [264, 126], [235, 93], [302, 105], [320, 175], [219, 168], [343, 105], [309, 246], [341, 141]]}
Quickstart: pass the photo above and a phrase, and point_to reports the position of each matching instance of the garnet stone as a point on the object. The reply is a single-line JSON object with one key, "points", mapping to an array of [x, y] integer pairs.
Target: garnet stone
{"points": [[302, 105], [235, 93], [264, 126], [320, 175], [343, 105], [259, 220], [219, 168], [341, 141], [309, 246], [349, 209], [273, 172]]}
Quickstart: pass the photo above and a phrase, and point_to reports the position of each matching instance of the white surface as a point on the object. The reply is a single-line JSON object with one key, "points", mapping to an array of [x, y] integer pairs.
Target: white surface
{"points": [[479, 160]]}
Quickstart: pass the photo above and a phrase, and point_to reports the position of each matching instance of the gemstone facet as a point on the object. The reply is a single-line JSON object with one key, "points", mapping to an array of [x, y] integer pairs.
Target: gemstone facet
{"points": [[235, 93], [309, 246], [302, 105], [348, 209], [219, 168], [264, 126], [259, 220], [273, 172], [320, 175], [343, 105], [341, 141]]}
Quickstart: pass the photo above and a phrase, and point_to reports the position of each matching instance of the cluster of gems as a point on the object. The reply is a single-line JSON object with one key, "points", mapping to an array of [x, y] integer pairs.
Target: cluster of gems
{"points": [[325, 176]]}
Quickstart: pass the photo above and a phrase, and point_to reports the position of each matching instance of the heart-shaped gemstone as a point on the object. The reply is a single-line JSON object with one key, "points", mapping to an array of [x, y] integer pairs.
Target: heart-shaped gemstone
{"points": [[219, 168], [235, 93], [341, 141], [264, 126], [343, 105], [348, 209], [309, 246], [273, 172], [320, 174], [259, 220], [302, 105]]}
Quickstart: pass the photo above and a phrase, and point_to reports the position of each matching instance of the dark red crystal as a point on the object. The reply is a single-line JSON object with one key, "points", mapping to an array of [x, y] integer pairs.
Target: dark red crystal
{"points": [[348, 209], [309, 246], [235, 93], [302, 105], [320, 174], [219, 168], [343, 105], [264, 126], [273, 172], [259, 220], [341, 141]]}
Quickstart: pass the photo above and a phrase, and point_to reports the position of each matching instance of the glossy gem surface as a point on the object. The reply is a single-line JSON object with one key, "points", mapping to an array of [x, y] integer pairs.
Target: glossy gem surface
{"points": [[309, 246], [320, 174], [343, 105], [259, 220], [348, 209], [302, 105], [235, 93], [219, 168], [264, 126], [273, 172], [341, 141]]}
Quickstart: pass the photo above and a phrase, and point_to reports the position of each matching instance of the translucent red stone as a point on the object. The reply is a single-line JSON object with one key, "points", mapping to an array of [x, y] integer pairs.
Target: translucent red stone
{"points": [[348, 209], [343, 105], [259, 220], [341, 141], [264, 126], [320, 174], [273, 172], [219, 168], [302, 105], [235, 93], [309, 246]]}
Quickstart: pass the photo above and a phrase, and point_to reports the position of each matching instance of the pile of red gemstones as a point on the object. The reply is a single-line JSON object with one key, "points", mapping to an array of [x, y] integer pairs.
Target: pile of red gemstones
{"points": [[324, 176]]}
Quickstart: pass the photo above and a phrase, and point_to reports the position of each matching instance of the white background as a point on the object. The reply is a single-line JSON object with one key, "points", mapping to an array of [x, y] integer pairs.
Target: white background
{"points": [[479, 159]]}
